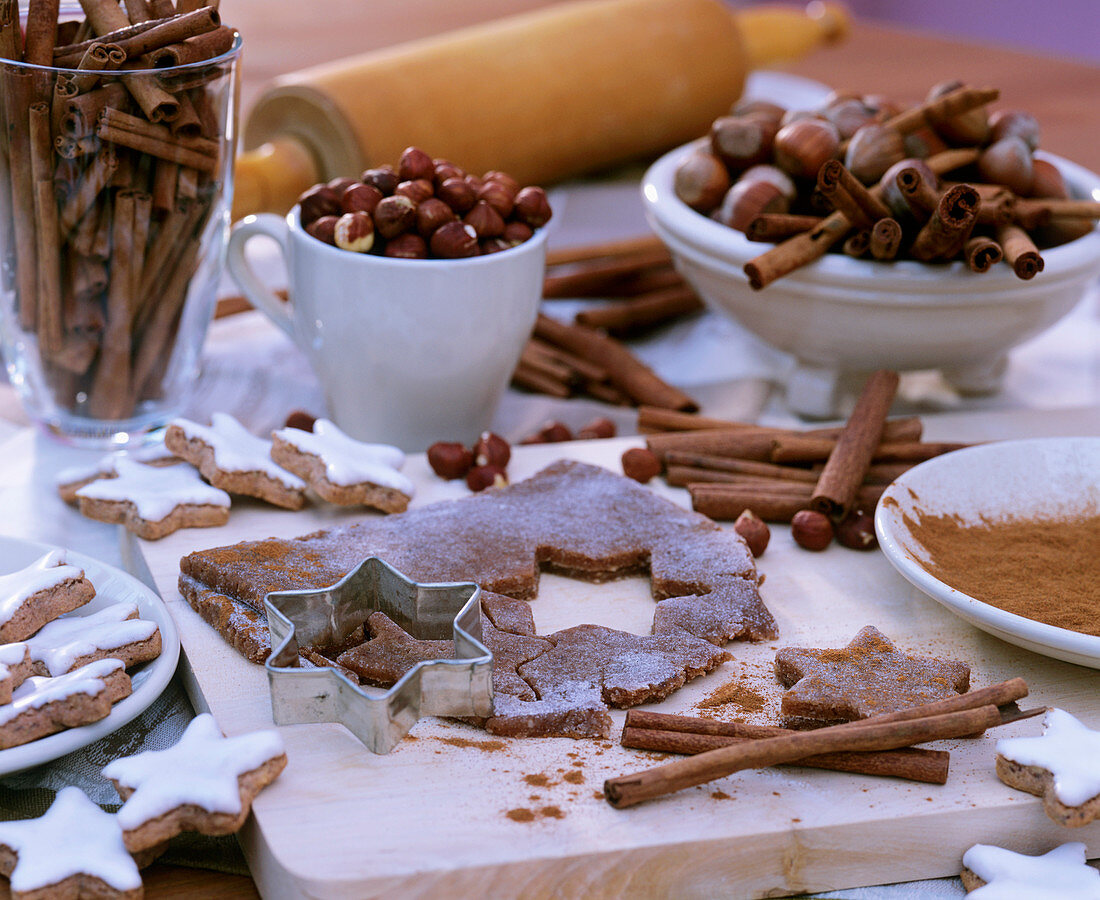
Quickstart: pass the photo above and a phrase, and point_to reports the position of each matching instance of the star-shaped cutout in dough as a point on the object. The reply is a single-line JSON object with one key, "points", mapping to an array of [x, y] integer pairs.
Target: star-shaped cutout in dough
{"points": [[205, 783], [75, 841], [868, 677], [153, 501], [993, 872], [1062, 766]]}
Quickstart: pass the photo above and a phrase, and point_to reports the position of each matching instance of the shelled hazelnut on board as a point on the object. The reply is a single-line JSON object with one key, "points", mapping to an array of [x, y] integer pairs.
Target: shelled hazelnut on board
{"points": [[424, 208]]}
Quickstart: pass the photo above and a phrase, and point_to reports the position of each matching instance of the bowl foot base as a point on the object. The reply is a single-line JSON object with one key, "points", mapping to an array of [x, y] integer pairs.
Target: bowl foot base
{"points": [[977, 379]]}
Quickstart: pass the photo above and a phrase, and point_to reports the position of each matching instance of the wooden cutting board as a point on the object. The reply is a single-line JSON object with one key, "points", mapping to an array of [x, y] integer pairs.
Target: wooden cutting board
{"points": [[456, 812]]}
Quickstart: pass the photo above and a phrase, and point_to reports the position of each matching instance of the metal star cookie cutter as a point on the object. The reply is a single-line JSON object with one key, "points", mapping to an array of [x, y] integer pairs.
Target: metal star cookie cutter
{"points": [[379, 718]]}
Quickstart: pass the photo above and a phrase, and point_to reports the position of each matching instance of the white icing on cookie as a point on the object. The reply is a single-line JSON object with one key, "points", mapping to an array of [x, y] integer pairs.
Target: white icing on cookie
{"points": [[59, 643], [1066, 749], [238, 450], [348, 461], [1056, 875], [11, 655], [155, 491], [202, 769], [38, 690], [74, 836], [104, 467], [45, 573]]}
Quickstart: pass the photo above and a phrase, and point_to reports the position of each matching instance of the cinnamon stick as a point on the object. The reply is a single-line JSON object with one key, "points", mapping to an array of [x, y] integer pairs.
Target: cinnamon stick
{"points": [[645, 730], [92, 182], [110, 395], [624, 370], [11, 36], [886, 238], [796, 252], [644, 312], [147, 138], [982, 253], [587, 252], [857, 244], [41, 32], [787, 449], [772, 501], [584, 368], [194, 49], [771, 227], [1020, 251], [47, 239], [952, 104], [651, 418], [18, 95], [537, 380], [1059, 208], [949, 226], [629, 790], [739, 466], [596, 277], [855, 447], [850, 195]]}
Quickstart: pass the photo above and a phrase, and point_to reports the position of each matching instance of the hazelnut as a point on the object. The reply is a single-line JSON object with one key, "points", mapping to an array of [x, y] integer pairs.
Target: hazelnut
{"points": [[532, 207], [492, 245], [445, 169], [811, 530], [430, 214], [857, 531], [758, 107], [555, 433], [485, 220], [474, 181], [324, 229], [503, 179], [742, 141], [480, 478], [754, 530], [516, 232], [872, 150], [417, 190], [354, 231], [458, 194], [747, 200], [1008, 162], [499, 196], [359, 197], [300, 419], [923, 142], [775, 175], [701, 181], [319, 200], [407, 246], [848, 114], [803, 146], [394, 215], [492, 450], [450, 459], [454, 240], [641, 464], [1047, 181], [1016, 122], [385, 178], [339, 185], [597, 428], [415, 163]]}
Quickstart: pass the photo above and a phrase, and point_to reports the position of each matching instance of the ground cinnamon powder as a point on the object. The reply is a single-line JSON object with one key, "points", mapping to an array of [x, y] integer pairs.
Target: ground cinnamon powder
{"points": [[1044, 569]]}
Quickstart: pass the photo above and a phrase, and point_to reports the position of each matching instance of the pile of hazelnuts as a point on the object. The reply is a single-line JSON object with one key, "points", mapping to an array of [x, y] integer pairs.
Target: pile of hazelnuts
{"points": [[763, 158], [423, 208]]}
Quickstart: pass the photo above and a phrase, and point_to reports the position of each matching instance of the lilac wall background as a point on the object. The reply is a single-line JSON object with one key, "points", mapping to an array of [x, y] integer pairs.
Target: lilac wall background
{"points": [[1062, 28]]}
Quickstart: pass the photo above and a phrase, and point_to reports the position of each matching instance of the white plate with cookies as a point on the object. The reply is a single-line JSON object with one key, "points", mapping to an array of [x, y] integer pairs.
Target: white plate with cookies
{"points": [[148, 679], [1043, 487]]}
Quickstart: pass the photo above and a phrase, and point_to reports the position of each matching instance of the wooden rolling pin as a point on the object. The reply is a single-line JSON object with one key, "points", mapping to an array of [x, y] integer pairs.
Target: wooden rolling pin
{"points": [[546, 95]]}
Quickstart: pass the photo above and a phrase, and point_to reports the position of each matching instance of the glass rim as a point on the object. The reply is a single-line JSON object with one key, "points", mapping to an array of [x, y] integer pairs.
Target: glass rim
{"points": [[229, 54]]}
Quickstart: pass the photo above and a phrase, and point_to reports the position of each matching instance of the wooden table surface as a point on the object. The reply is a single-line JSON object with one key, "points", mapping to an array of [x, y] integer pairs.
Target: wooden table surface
{"points": [[284, 37]]}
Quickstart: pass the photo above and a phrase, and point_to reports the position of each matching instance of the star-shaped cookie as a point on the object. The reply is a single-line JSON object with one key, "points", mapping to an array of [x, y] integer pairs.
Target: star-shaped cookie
{"points": [[868, 677], [154, 501], [75, 850], [1000, 874], [230, 457], [1062, 766], [205, 783]]}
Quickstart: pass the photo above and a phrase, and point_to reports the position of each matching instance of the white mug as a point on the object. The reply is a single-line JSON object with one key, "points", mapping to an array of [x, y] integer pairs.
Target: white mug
{"points": [[408, 351]]}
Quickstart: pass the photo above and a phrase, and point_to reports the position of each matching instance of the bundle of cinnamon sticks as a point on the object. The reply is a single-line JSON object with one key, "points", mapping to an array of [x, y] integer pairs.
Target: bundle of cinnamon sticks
{"points": [[729, 467], [116, 161], [870, 746]]}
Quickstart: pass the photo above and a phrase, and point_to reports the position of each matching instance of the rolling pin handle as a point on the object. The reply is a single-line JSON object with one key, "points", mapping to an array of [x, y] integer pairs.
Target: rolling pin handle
{"points": [[776, 34], [273, 176]]}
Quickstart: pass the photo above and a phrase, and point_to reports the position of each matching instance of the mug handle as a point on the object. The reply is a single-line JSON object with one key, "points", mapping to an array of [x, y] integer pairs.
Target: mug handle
{"points": [[254, 290]]}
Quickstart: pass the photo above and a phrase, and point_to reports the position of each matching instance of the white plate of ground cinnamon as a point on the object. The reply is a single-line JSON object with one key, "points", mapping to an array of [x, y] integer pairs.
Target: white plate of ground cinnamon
{"points": [[1007, 536]]}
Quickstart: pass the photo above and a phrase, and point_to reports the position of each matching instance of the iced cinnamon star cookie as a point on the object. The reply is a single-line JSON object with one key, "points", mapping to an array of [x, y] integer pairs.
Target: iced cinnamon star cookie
{"points": [[205, 783], [235, 460], [993, 873], [36, 594], [75, 850], [343, 470], [153, 502], [1062, 766]]}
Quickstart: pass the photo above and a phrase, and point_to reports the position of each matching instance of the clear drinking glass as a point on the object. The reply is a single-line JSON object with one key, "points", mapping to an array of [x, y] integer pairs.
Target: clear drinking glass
{"points": [[115, 190]]}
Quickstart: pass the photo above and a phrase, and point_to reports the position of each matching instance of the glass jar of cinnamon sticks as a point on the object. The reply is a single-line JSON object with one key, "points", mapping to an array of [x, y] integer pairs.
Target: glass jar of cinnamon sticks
{"points": [[115, 186]]}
